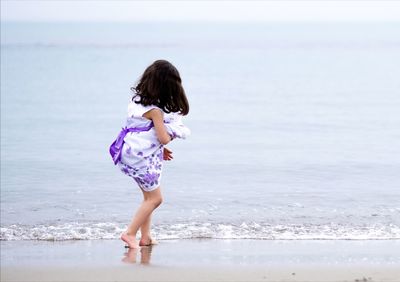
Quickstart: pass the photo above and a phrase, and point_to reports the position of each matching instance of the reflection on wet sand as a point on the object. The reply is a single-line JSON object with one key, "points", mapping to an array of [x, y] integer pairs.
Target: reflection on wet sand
{"points": [[145, 255]]}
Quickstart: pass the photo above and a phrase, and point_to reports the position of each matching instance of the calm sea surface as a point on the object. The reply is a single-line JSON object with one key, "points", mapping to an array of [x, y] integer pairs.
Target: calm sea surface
{"points": [[295, 130]]}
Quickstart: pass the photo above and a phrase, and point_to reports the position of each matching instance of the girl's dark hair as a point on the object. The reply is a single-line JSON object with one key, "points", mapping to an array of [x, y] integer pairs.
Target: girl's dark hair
{"points": [[161, 85]]}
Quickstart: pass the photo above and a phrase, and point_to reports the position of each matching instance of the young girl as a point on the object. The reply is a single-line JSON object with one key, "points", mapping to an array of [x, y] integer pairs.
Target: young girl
{"points": [[154, 119]]}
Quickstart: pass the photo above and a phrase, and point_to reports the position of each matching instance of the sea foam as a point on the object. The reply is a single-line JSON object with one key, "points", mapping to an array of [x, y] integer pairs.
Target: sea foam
{"points": [[192, 230]]}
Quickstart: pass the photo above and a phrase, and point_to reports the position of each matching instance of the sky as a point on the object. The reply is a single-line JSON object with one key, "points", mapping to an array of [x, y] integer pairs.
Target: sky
{"points": [[117, 10]]}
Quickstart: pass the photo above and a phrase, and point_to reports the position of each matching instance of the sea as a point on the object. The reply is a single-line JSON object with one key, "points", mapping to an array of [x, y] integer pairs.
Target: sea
{"points": [[295, 129]]}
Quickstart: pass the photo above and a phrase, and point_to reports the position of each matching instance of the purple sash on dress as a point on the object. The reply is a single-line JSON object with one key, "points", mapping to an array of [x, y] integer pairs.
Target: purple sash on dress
{"points": [[116, 146]]}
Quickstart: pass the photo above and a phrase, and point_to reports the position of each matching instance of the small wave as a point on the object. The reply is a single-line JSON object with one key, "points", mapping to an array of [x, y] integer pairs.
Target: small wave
{"points": [[252, 230]]}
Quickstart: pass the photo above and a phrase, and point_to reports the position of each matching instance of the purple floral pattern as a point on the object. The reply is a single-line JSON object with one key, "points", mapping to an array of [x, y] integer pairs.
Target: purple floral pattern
{"points": [[142, 153], [146, 176]]}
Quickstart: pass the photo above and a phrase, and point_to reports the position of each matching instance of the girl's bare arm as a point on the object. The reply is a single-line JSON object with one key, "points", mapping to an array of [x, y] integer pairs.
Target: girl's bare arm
{"points": [[158, 120]]}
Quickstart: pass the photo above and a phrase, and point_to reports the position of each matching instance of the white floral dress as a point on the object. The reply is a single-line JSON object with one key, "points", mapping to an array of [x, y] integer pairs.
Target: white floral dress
{"points": [[142, 152]]}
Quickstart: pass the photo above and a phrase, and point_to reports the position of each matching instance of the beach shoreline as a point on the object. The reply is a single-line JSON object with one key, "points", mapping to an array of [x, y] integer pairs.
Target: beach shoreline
{"points": [[202, 260], [232, 273]]}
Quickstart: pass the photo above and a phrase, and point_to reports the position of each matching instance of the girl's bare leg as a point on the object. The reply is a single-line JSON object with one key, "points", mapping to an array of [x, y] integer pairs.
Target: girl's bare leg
{"points": [[146, 239], [150, 202], [145, 230]]}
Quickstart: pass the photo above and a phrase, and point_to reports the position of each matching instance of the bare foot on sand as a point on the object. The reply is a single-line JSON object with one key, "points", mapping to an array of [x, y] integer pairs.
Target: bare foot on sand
{"points": [[147, 242], [130, 240]]}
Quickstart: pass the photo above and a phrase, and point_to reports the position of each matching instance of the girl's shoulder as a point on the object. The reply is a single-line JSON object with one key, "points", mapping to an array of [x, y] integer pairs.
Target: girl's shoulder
{"points": [[137, 110], [172, 117]]}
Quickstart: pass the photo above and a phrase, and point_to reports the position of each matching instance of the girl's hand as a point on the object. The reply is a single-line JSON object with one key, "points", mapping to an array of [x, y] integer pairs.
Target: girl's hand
{"points": [[167, 154]]}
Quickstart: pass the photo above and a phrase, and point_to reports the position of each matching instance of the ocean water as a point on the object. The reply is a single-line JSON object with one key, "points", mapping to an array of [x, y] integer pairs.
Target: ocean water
{"points": [[295, 130]]}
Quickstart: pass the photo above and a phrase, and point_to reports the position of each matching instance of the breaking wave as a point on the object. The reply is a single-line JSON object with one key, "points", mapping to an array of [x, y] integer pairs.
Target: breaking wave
{"points": [[251, 230]]}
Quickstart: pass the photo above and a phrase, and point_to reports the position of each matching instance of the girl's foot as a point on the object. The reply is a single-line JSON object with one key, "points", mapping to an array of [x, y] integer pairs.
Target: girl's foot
{"points": [[147, 242], [130, 240]]}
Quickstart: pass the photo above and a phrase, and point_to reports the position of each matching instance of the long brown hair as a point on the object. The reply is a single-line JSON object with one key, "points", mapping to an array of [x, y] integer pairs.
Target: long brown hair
{"points": [[161, 85]]}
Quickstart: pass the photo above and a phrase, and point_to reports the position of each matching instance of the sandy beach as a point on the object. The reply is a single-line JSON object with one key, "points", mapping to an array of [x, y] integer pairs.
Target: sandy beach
{"points": [[202, 260], [189, 274]]}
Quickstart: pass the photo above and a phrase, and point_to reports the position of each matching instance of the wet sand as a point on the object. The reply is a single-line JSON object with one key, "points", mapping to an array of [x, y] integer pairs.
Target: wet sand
{"points": [[189, 274], [201, 260]]}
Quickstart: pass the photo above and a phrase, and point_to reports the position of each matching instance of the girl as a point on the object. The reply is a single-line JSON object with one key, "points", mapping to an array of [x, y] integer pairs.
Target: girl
{"points": [[154, 119]]}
